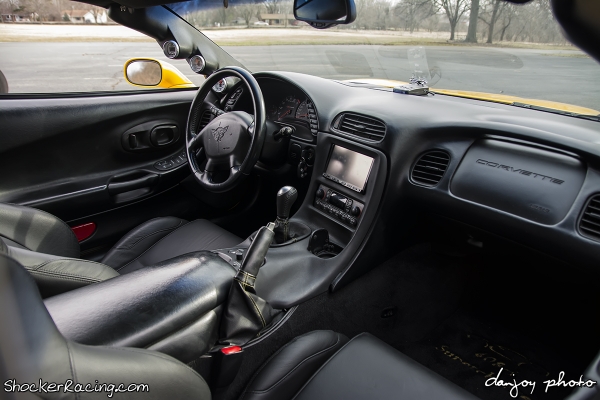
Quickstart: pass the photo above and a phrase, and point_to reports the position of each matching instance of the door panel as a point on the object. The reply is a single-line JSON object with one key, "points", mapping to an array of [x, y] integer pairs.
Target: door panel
{"points": [[94, 158]]}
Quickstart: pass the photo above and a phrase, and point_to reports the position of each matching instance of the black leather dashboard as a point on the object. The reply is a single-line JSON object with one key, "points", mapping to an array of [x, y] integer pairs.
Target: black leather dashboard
{"points": [[556, 160]]}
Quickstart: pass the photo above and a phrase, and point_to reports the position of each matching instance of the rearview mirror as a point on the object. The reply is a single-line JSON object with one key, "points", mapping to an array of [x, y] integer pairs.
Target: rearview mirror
{"points": [[149, 72], [323, 14]]}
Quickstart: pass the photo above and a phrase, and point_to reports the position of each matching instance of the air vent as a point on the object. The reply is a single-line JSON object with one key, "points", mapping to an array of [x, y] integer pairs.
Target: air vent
{"points": [[430, 168], [361, 126], [205, 119], [589, 225]]}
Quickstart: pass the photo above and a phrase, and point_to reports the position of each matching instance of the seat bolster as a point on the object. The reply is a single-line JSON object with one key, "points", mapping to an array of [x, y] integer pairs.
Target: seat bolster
{"points": [[194, 236], [284, 374], [37, 230], [140, 239], [62, 275], [165, 377], [367, 368]]}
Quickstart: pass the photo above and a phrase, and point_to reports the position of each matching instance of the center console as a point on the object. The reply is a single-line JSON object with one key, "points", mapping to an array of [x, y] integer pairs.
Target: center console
{"points": [[342, 201]]}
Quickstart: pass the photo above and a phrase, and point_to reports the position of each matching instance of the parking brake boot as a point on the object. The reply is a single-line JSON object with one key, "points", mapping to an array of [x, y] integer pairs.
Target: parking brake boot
{"points": [[246, 313]]}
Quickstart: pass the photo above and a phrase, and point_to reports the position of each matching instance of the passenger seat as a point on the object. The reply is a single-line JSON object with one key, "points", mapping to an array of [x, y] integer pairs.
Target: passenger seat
{"points": [[318, 365]]}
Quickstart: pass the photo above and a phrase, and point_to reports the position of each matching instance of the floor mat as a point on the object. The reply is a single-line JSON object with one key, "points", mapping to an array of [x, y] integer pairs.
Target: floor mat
{"points": [[470, 353]]}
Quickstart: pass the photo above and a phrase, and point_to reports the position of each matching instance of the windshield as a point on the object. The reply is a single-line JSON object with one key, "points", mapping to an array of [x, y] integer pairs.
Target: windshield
{"points": [[514, 50]]}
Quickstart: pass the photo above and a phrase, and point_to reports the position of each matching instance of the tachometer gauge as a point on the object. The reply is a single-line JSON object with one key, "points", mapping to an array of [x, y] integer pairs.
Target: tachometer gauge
{"points": [[302, 111], [220, 86], [287, 108]]}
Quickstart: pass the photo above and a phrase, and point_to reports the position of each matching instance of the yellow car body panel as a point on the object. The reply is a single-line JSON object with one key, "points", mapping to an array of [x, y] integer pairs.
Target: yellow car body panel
{"points": [[497, 98], [171, 78]]}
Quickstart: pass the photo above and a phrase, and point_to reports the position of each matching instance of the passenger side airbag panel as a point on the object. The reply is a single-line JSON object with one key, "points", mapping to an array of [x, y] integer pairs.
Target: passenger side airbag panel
{"points": [[532, 183]]}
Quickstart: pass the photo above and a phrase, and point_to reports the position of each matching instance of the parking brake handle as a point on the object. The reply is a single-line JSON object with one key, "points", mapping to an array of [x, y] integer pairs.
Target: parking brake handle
{"points": [[245, 313], [255, 256]]}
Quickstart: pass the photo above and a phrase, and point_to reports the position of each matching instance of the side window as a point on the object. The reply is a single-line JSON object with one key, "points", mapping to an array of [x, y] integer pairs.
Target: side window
{"points": [[75, 49]]}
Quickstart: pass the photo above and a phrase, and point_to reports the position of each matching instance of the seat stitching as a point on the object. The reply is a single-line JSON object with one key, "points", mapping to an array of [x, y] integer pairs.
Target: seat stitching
{"points": [[296, 367], [269, 360], [72, 236], [327, 362], [65, 275], [150, 234], [71, 366], [151, 353], [148, 249], [66, 259]]}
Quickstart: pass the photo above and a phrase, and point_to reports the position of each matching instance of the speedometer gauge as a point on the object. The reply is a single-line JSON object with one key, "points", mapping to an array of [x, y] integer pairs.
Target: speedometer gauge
{"points": [[220, 86], [302, 111]]}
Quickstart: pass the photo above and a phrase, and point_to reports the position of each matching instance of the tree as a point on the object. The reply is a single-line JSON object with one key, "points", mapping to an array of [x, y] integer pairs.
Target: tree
{"points": [[247, 12], [493, 14], [454, 10], [272, 6], [473, 16], [413, 12]]}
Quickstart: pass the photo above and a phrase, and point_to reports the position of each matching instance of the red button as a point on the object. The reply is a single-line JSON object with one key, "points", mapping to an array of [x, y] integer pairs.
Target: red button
{"points": [[84, 231], [231, 350]]}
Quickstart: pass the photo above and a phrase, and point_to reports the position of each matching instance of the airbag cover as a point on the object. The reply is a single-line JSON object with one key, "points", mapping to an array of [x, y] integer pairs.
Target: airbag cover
{"points": [[532, 183]]}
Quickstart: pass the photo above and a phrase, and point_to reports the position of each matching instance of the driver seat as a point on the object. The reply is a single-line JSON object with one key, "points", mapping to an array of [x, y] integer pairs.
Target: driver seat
{"points": [[47, 247]]}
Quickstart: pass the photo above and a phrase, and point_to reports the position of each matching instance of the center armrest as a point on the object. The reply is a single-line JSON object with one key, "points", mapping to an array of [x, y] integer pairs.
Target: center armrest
{"points": [[168, 307]]}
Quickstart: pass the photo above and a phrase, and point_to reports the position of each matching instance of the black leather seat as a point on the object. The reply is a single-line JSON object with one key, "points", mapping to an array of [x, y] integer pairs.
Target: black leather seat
{"points": [[318, 365], [32, 350], [48, 248], [324, 365]]}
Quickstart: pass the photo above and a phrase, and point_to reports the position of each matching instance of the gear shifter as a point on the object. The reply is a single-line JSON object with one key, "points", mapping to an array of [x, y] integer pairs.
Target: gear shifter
{"points": [[286, 196]]}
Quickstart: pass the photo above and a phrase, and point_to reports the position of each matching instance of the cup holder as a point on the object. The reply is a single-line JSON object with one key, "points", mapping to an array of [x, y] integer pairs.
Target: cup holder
{"points": [[320, 245]]}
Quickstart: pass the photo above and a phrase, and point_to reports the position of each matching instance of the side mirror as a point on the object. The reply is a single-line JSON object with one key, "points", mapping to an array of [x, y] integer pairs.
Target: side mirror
{"points": [[149, 72], [322, 14]]}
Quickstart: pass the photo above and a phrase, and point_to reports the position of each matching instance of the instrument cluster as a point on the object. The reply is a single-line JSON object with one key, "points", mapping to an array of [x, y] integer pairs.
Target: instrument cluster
{"points": [[285, 104]]}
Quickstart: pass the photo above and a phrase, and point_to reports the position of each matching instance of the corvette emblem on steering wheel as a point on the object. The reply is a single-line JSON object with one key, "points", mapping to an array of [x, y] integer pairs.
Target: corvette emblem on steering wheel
{"points": [[219, 132]]}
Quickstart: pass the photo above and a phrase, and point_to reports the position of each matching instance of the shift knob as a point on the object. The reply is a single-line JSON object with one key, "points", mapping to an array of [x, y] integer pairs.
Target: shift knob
{"points": [[286, 197]]}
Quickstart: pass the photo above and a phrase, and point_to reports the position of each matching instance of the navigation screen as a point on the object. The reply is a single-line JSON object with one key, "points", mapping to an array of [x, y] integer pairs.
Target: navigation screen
{"points": [[348, 168]]}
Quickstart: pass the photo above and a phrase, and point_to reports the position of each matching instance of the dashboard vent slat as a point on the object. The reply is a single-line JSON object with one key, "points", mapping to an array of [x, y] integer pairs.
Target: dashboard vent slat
{"points": [[430, 168], [362, 126], [589, 224]]}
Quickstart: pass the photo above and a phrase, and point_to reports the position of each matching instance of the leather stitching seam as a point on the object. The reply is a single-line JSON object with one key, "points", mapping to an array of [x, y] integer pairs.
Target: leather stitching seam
{"points": [[327, 362], [269, 360], [150, 234], [296, 367], [72, 367], [71, 236], [153, 354], [148, 249], [64, 275], [262, 319]]}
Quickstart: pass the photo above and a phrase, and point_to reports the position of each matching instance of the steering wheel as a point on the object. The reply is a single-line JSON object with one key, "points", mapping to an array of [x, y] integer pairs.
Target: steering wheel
{"points": [[232, 141]]}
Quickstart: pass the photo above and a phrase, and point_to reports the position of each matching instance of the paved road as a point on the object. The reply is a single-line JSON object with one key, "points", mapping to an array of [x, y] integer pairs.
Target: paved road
{"points": [[564, 76]]}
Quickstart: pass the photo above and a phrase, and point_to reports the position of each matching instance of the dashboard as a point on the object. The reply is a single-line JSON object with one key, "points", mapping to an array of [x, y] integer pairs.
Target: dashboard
{"points": [[527, 176]]}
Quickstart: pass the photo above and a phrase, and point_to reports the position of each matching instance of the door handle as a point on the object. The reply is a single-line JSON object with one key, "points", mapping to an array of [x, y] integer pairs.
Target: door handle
{"points": [[119, 185]]}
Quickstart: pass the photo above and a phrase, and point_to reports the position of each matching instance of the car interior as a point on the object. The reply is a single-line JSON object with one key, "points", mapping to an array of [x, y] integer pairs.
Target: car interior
{"points": [[277, 235]]}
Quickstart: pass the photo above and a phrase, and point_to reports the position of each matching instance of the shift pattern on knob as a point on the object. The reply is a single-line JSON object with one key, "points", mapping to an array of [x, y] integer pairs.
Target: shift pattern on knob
{"points": [[286, 197]]}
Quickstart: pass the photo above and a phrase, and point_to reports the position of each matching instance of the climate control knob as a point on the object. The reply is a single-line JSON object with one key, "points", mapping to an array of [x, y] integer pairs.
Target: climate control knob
{"points": [[355, 211], [320, 193]]}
